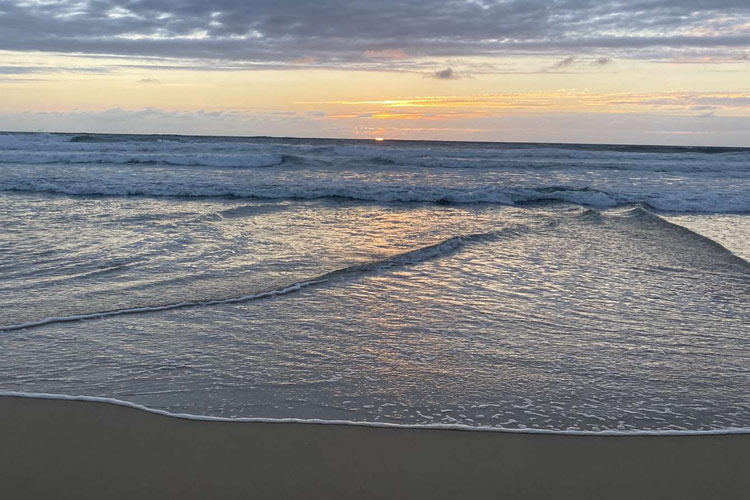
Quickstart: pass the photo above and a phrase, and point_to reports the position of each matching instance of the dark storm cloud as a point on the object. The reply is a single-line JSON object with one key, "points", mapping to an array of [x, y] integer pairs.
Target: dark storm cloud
{"points": [[343, 32]]}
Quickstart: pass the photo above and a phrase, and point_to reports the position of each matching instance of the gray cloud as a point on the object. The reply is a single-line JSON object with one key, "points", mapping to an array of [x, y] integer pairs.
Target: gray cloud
{"points": [[564, 63], [444, 74], [696, 99], [25, 70], [16, 70], [571, 61], [343, 33], [20, 80]]}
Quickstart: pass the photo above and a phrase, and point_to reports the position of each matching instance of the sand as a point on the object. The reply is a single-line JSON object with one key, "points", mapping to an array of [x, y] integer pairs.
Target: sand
{"points": [[81, 450]]}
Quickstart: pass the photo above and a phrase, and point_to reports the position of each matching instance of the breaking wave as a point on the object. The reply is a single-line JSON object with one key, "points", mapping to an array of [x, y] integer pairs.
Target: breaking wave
{"points": [[680, 201]]}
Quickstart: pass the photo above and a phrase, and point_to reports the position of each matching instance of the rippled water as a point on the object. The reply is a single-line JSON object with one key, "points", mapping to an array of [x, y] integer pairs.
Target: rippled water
{"points": [[560, 314]]}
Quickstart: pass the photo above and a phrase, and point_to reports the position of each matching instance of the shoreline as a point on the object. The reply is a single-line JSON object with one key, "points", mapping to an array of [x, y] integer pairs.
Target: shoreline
{"points": [[65, 448], [365, 423]]}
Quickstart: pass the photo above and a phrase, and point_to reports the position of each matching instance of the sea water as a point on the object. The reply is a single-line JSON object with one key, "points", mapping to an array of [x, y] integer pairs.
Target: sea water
{"points": [[505, 286]]}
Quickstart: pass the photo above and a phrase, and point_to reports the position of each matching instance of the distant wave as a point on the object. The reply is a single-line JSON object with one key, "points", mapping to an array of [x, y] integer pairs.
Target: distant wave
{"points": [[128, 158], [356, 157], [103, 138], [252, 152], [623, 148]]}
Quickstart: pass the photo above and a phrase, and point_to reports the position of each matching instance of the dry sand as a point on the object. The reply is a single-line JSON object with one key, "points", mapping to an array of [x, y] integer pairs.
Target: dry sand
{"points": [[86, 450]]}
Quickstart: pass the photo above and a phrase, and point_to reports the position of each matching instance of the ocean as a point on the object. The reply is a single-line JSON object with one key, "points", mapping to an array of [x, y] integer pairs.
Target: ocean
{"points": [[519, 287]]}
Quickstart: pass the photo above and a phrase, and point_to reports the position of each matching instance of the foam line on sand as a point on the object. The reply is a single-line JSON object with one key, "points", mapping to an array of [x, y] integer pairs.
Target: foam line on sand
{"points": [[364, 423]]}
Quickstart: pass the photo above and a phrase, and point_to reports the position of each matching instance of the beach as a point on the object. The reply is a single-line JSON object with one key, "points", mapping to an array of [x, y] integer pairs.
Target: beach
{"points": [[77, 449], [485, 249], [215, 317]]}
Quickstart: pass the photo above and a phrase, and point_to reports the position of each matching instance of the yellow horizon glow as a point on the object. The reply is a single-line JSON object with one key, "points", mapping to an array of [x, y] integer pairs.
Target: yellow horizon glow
{"points": [[372, 103]]}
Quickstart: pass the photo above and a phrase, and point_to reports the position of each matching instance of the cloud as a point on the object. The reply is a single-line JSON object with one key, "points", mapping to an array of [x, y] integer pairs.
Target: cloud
{"points": [[735, 103], [342, 33], [386, 54], [17, 70], [727, 100], [24, 70], [20, 80], [572, 61], [304, 60], [633, 128], [564, 63], [444, 74], [148, 80], [147, 120]]}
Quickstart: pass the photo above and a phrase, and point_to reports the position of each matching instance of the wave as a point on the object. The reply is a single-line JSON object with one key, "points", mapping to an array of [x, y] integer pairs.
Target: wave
{"points": [[380, 192], [105, 138], [622, 148], [422, 254], [376, 193], [387, 425], [215, 160], [239, 152], [147, 309], [542, 158], [642, 214], [244, 211], [680, 180], [230, 158]]}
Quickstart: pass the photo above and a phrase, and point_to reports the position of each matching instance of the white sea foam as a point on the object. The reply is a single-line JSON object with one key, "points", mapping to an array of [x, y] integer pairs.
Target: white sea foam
{"points": [[383, 425]]}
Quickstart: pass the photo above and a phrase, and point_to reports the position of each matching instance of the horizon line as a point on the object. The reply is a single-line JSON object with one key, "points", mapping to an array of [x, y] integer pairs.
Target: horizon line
{"points": [[386, 139]]}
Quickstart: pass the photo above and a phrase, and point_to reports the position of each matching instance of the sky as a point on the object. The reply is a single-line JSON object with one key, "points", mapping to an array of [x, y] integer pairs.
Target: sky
{"points": [[637, 71]]}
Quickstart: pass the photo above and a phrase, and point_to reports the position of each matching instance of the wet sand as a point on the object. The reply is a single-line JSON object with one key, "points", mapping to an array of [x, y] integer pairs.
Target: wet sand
{"points": [[88, 450]]}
